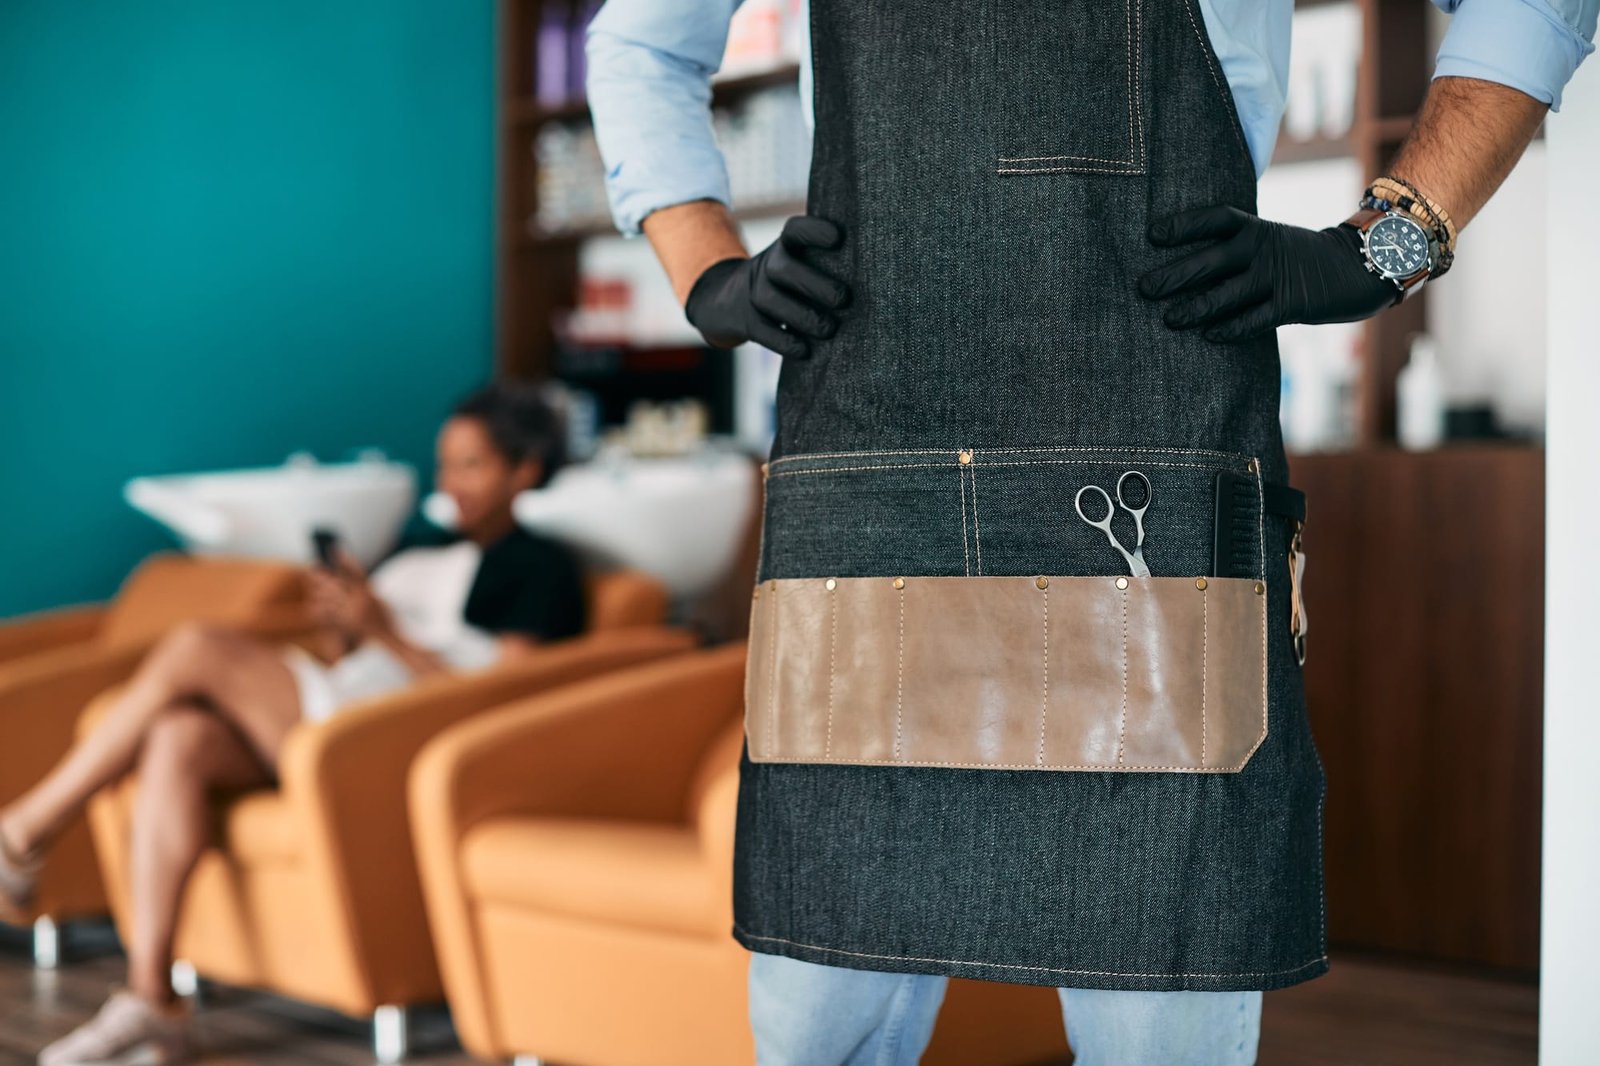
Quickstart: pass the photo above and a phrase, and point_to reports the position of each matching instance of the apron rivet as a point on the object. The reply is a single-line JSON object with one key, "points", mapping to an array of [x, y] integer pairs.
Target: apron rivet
{"points": [[1254, 467], [1260, 588], [1042, 582], [899, 582], [1122, 582], [966, 455], [755, 593], [1200, 583], [831, 583]]}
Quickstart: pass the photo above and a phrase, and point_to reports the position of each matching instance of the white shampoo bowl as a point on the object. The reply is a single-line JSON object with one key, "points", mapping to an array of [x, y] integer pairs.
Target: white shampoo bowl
{"points": [[269, 512], [681, 519]]}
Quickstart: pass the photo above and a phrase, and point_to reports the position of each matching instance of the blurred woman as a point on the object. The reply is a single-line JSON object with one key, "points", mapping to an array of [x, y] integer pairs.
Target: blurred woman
{"points": [[209, 708]]}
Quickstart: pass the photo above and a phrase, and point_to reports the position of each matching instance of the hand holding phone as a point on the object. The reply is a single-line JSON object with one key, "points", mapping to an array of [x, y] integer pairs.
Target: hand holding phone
{"points": [[325, 542]]}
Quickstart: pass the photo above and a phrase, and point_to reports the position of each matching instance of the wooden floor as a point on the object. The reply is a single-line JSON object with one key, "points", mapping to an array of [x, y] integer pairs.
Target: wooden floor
{"points": [[1363, 1012]]}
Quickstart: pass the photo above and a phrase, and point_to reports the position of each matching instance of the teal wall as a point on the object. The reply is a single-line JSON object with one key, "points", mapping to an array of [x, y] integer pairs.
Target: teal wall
{"points": [[228, 231]]}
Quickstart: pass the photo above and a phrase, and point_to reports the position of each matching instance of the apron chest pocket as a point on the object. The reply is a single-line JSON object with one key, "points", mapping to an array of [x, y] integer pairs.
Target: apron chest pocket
{"points": [[1068, 83], [1009, 672]]}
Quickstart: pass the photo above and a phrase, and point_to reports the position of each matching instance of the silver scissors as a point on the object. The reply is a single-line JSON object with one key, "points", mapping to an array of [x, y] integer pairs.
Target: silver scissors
{"points": [[1135, 558]]}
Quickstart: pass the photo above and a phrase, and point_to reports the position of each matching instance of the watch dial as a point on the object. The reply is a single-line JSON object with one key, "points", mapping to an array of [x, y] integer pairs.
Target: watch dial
{"points": [[1398, 246]]}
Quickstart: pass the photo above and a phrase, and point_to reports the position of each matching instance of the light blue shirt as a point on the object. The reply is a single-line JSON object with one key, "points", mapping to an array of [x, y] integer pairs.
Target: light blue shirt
{"points": [[650, 65]]}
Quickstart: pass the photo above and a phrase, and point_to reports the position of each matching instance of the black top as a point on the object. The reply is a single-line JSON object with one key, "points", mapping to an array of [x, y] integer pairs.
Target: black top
{"points": [[526, 583]]}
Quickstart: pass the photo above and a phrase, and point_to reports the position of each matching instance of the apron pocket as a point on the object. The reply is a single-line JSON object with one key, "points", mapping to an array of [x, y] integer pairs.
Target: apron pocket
{"points": [[1068, 86], [1008, 672]]}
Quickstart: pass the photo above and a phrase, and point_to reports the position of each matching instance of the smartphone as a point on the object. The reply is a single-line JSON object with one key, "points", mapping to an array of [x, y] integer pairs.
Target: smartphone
{"points": [[323, 542]]}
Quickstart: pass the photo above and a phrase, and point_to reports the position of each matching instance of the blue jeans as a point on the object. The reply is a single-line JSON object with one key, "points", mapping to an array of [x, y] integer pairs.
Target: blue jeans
{"points": [[808, 1014]]}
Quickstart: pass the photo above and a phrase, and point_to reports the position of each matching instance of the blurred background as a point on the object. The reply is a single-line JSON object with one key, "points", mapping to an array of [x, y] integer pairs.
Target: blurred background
{"points": [[275, 242]]}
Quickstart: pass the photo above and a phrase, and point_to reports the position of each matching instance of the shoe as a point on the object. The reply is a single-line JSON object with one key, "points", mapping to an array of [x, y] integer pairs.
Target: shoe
{"points": [[18, 878], [127, 1031]]}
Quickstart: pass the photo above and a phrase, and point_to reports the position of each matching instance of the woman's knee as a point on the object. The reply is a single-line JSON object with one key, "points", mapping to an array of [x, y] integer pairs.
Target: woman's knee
{"points": [[191, 650], [177, 744]]}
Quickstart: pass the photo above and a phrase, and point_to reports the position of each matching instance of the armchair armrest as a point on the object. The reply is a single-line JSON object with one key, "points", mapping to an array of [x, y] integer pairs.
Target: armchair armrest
{"points": [[347, 778], [48, 630]]}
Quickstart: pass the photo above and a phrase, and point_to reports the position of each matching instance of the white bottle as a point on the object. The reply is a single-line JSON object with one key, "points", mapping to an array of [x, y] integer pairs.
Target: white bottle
{"points": [[1419, 397]]}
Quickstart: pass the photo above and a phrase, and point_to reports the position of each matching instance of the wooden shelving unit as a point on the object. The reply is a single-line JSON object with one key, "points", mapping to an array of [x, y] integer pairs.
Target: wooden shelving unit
{"points": [[537, 274]]}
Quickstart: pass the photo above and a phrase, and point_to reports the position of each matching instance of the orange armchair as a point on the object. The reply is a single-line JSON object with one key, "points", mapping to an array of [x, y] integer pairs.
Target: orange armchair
{"points": [[52, 663], [310, 889], [576, 852]]}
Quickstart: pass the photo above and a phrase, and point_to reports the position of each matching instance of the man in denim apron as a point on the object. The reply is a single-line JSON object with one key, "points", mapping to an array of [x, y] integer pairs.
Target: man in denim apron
{"points": [[1031, 262]]}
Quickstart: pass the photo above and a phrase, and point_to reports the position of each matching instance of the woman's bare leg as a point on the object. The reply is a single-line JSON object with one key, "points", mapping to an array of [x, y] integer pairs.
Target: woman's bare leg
{"points": [[188, 751], [239, 677]]}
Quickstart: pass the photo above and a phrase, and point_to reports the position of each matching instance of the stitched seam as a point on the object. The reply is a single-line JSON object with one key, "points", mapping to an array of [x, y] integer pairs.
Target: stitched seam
{"points": [[838, 469], [1085, 158], [899, 677], [1018, 966], [966, 553], [1133, 146], [772, 671], [1261, 522], [1044, 709], [833, 640], [977, 536], [1216, 79], [1140, 448], [1205, 658], [798, 456], [1099, 462], [1106, 767], [1065, 170], [1138, 66], [1122, 723]]}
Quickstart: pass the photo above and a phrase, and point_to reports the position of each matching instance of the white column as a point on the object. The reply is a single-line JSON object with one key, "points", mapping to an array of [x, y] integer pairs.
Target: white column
{"points": [[1569, 1000]]}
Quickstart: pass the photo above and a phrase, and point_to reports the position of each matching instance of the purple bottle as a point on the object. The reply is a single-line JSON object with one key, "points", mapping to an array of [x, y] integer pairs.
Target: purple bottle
{"points": [[551, 54]]}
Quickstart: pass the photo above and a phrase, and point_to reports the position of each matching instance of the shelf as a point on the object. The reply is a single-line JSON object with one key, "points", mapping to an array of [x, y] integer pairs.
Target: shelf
{"points": [[1289, 150], [526, 111]]}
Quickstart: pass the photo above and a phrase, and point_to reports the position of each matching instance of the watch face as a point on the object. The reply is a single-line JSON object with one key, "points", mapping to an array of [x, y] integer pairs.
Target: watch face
{"points": [[1398, 246]]}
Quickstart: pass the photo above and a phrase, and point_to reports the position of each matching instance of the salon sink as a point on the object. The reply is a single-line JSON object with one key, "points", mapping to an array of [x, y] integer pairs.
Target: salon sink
{"points": [[269, 512], [680, 518]]}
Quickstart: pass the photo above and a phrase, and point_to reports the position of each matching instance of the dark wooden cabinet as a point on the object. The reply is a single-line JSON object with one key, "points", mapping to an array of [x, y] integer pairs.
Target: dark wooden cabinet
{"points": [[1424, 677]]}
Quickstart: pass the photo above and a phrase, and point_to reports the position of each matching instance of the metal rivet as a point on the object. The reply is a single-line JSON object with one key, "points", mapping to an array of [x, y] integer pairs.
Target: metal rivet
{"points": [[1122, 582], [831, 584], [1200, 583], [966, 456], [1042, 582], [899, 582], [1260, 588], [1254, 467], [755, 593]]}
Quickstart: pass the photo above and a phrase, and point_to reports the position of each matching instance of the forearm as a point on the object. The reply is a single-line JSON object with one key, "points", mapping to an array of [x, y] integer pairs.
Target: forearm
{"points": [[1467, 137], [689, 237]]}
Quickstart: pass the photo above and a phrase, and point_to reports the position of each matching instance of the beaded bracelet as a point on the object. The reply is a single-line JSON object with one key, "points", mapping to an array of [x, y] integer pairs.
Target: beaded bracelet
{"points": [[1443, 236]]}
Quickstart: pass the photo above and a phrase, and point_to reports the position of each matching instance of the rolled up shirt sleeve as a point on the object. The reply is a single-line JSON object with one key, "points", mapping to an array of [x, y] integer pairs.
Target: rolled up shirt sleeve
{"points": [[1531, 45], [649, 89]]}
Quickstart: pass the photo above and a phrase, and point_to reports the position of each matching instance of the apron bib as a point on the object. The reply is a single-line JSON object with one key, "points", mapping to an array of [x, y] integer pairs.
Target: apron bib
{"points": [[981, 739]]}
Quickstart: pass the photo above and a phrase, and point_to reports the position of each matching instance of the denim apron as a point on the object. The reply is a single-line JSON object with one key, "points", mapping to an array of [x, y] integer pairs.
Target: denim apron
{"points": [[994, 166]]}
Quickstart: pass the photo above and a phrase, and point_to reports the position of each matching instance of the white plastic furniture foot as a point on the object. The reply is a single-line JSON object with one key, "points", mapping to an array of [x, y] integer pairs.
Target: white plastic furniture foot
{"points": [[390, 1035], [46, 943]]}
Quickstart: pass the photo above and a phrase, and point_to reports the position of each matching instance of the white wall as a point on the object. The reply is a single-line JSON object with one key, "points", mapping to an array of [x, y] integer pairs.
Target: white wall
{"points": [[1569, 999]]}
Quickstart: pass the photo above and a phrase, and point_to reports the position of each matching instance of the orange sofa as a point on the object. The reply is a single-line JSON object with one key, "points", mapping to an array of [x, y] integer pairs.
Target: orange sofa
{"points": [[310, 890], [576, 852], [53, 662]]}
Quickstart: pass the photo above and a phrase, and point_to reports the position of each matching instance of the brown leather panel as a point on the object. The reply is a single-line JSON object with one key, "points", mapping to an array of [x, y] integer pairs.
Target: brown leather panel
{"points": [[998, 673]]}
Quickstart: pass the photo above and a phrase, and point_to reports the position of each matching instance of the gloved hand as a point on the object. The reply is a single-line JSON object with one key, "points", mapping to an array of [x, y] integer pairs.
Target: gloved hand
{"points": [[774, 297], [1261, 275]]}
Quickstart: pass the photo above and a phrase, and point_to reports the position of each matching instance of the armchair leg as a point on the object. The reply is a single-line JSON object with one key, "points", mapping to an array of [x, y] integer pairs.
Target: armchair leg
{"points": [[390, 1034], [46, 943], [186, 980]]}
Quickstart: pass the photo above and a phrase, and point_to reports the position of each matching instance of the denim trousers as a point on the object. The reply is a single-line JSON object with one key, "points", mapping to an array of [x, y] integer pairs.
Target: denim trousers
{"points": [[811, 1014]]}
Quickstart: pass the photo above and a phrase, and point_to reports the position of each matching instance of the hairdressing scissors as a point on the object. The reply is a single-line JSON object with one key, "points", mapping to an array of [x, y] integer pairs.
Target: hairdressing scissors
{"points": [[1135, 558]]}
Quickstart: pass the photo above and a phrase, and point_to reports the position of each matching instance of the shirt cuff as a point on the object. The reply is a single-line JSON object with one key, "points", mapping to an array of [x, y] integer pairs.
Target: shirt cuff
{"points": [[1514, 42], [634, 191]]}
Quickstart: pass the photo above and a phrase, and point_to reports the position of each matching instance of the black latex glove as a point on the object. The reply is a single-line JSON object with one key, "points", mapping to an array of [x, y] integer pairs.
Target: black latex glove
{"points": [[774, 297], [1260, 275]]}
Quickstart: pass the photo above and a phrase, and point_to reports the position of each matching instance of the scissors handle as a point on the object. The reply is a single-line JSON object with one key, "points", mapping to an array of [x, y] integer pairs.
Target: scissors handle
{"points": [[1137, 512], [1135, 558]]}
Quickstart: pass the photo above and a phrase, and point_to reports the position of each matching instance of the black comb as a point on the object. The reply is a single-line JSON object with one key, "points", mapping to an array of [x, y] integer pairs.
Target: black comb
{"points": [[1237, 536]]}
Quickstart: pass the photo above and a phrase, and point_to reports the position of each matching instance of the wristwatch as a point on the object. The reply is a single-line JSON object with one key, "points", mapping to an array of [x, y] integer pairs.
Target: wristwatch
{"points": [[1396, 247]]}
